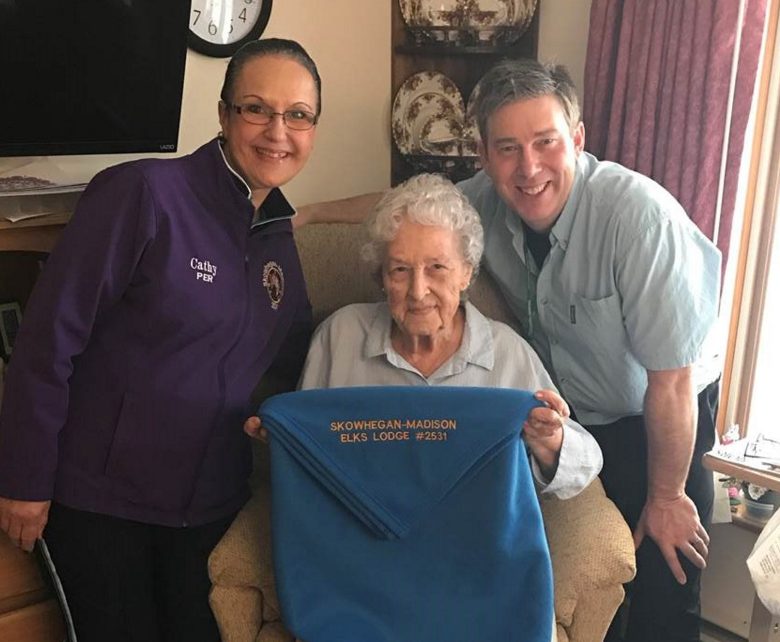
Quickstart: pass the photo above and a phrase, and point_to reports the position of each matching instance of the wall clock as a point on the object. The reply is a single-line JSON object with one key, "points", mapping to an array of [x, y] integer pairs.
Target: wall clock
{"points": [[220, 27]]}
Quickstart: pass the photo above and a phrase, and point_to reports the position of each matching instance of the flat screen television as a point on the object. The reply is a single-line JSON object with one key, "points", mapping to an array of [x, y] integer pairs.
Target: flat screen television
{"points": [[91, 76]]}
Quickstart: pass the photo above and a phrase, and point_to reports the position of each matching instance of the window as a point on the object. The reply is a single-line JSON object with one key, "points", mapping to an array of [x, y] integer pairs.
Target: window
{"points": [[750, 385], [763, 415]]}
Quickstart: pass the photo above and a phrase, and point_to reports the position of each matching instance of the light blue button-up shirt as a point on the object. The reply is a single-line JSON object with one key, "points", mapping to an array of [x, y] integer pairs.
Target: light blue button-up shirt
{"points": [[630, 285]]}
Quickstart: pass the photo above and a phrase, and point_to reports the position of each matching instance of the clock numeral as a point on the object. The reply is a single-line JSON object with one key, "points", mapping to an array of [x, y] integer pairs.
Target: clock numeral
{"points": [[219, 27]]}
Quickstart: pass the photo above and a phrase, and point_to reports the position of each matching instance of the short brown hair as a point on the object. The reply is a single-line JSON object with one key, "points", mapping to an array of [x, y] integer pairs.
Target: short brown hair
{"points": [[521, 79]]}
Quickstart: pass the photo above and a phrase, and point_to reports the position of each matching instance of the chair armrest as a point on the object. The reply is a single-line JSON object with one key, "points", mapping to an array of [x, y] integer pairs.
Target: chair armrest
{"points": [[242, 558], [590, 544]]}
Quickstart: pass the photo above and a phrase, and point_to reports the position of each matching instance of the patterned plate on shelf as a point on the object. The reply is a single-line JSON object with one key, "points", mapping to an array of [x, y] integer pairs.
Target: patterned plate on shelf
{"points": [[428, 115], [488, 21]]}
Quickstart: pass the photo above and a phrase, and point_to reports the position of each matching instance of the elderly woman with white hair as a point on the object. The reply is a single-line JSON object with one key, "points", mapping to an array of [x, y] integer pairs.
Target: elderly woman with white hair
{"points": [[425, 246]]}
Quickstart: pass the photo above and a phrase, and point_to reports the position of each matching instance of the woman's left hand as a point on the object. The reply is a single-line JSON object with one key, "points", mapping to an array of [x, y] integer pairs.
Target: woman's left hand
{"points": [[254, 428], [543, 430]]}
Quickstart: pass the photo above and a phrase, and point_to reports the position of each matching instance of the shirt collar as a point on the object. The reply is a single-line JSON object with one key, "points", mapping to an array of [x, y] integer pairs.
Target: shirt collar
{"points": [[478, 338], [514, 224], [275, 207], [562, 228], [378, 337], [476, 347], [237, 178]]}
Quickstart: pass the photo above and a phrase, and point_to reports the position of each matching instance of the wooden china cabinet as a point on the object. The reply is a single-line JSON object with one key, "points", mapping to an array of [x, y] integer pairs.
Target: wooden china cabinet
{"points": [[28, 610], [462, 63]]}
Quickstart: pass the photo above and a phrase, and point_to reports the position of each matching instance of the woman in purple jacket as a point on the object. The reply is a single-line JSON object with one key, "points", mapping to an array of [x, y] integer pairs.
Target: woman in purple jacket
{"points": [[175, 287]]}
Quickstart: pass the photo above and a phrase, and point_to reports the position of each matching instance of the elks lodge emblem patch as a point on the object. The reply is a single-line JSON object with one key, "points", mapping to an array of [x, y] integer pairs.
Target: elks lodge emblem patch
{"points": [[273, 281]]}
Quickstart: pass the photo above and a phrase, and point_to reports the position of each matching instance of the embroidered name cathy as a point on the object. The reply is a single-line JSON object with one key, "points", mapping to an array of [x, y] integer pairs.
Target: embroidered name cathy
{"points": [[204, 270]]}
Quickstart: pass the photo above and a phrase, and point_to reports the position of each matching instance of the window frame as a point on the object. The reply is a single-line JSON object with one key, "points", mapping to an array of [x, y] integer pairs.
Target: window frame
{"points": [[762, 209]]}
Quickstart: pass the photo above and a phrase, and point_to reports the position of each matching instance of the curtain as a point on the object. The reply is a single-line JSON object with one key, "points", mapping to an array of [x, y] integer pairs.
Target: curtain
{"points": [[666, 95]]}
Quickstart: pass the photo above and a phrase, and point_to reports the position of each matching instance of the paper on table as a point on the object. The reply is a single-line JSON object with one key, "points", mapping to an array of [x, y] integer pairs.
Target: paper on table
{"points": [[16, 208], [750, 453], [721, 506], [39, 175], [764, 448], [733, 451], [764, 565]]}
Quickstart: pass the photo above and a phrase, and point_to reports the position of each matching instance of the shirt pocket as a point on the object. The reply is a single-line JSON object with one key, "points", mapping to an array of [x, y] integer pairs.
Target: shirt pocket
{"points": [[598, 326]]}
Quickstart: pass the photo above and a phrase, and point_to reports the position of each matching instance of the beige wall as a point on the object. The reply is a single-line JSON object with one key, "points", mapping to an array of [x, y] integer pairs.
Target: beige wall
{"points": [[563, 35], [350, 40]]}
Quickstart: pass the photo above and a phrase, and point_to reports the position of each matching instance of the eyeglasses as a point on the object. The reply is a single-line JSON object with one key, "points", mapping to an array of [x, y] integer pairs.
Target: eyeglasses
{"points": [[259, 114]]}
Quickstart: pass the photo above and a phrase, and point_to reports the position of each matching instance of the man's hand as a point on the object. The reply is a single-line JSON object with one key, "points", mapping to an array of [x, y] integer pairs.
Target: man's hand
{"points": [[669, 516], [543, 430], [674, 525], [253, 427], [23, 521]]}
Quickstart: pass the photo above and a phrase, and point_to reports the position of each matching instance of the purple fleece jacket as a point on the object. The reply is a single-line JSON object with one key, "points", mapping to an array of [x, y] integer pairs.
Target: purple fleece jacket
{"points": [[155, 316]]}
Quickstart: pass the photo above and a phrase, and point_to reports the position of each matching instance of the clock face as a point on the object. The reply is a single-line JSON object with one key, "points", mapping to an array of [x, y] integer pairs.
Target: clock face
{"points": [[220, 27]]}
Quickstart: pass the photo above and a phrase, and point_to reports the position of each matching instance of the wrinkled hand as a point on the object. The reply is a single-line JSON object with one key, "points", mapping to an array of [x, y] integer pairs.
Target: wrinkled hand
{"points": [[674, 525], [23, 521], [253, 427], [543, 430]]}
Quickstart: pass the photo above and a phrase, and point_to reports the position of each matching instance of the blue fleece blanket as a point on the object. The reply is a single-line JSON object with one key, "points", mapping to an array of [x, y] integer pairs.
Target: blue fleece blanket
{"points": [[407, 514]]}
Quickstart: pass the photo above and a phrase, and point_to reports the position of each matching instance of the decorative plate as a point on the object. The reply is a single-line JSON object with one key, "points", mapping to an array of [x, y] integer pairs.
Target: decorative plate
{"points": [[474, 22], [428, 115], [438, 126]]}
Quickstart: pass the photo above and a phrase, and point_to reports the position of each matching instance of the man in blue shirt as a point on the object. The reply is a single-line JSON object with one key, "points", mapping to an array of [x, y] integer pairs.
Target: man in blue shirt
{"points": [[617, 290]]}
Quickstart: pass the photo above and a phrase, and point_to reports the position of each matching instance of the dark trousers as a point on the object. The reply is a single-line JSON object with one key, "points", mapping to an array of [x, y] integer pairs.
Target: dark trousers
{"points": [[132, 582], [657, 608]]}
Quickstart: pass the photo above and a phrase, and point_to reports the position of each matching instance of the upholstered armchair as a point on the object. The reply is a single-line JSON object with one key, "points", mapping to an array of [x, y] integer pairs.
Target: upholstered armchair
{"points": [[591, 545]]}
